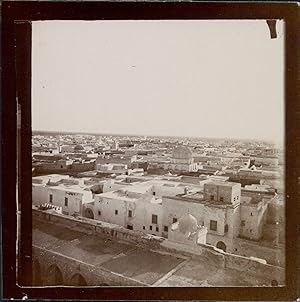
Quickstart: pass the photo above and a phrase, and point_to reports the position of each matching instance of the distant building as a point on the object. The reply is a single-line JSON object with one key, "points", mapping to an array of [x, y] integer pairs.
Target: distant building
{"points": [[56, 165], [78, 148], [181, 161], [267, 160], [112, 168], [67, 148], [115, 159]]}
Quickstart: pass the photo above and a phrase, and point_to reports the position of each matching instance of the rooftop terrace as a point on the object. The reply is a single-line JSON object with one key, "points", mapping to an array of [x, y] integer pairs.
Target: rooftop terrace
{"points": [[127, 260]]}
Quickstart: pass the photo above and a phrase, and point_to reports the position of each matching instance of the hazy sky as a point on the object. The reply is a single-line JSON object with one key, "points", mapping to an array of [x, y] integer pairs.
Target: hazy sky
{"points": [[182, 78]]}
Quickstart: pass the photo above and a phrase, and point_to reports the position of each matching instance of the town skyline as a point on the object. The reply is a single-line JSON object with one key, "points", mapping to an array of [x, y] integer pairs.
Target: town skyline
{"points": [[58, 132]]}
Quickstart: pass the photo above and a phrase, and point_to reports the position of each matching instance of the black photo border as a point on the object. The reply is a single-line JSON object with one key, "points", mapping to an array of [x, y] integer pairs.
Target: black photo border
{"points": [[16, 84]]}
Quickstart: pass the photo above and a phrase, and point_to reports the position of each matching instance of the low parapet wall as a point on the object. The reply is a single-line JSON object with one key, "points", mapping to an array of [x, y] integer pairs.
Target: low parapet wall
{"points": [[270, 272], [210, 253], [99, 227]]}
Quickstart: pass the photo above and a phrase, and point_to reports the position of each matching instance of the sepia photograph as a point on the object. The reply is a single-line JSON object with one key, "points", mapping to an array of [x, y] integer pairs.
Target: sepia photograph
{"points": [[158, 153]]}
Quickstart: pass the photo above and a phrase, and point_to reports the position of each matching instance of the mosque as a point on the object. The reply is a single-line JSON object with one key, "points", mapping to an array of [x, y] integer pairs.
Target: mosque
{"points": [[181, 160]]}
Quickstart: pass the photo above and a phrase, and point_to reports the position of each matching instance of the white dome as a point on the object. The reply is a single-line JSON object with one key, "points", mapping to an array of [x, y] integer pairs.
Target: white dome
{"points": [[182, 153], [187, 223]]}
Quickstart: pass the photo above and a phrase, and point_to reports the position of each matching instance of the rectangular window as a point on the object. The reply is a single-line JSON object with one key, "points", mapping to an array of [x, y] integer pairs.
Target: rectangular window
{"points": [[99, 213], [66, 201], [165, 228], [174, 220], [144, 227], [129, 213], [50, 198], [157, 229], [222, 199], [129, 227], [154, 219], [243, 223], [153, 193], [213, 225], [116, 212], [211, 197], [150, 227]]}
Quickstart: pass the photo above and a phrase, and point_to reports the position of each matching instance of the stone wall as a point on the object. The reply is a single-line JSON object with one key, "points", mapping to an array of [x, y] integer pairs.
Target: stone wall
{"points": [[205, 252], [51, 268], [273, 255], [93, 227], [267, 271]]}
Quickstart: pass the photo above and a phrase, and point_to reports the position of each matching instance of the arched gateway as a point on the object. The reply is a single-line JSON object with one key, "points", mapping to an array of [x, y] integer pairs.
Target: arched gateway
{"points": [[221, 245]]}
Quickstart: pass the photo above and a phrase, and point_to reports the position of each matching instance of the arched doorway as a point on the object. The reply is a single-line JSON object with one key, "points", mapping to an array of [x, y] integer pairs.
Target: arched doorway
{"points": [[36, 274], [88, 213], [54, 276], [78, 280], [221, 245]]}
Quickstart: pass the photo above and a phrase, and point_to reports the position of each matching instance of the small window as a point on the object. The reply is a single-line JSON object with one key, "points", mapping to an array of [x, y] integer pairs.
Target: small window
{"points": [[50, 198], [226, 228], [213, 225], [251, 231], [116, 212], [129, 227], [150, 227], [61, 167], [235, 249], [174, 220], [237, 198], [99, 213], [233, 198], [66, 201], [144, 227], [211, 197], [157, 229], [130, 213], [243, 223], [222, 199], [154, 219], [153, 193], [251, 214], [165, 228]]}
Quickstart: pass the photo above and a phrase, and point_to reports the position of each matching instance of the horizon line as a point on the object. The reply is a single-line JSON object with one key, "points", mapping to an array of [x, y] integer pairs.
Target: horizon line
{"points": [[157, 135]]}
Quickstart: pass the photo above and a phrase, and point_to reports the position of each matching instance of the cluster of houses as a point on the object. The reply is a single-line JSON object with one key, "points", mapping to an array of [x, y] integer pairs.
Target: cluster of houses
{"points": [[185, 209], [226, 195]]}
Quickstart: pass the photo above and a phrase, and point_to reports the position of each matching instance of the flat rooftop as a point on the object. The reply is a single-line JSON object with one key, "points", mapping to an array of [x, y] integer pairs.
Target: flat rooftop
{"points": [[223, 183], [150, 267], [104, 252]]}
